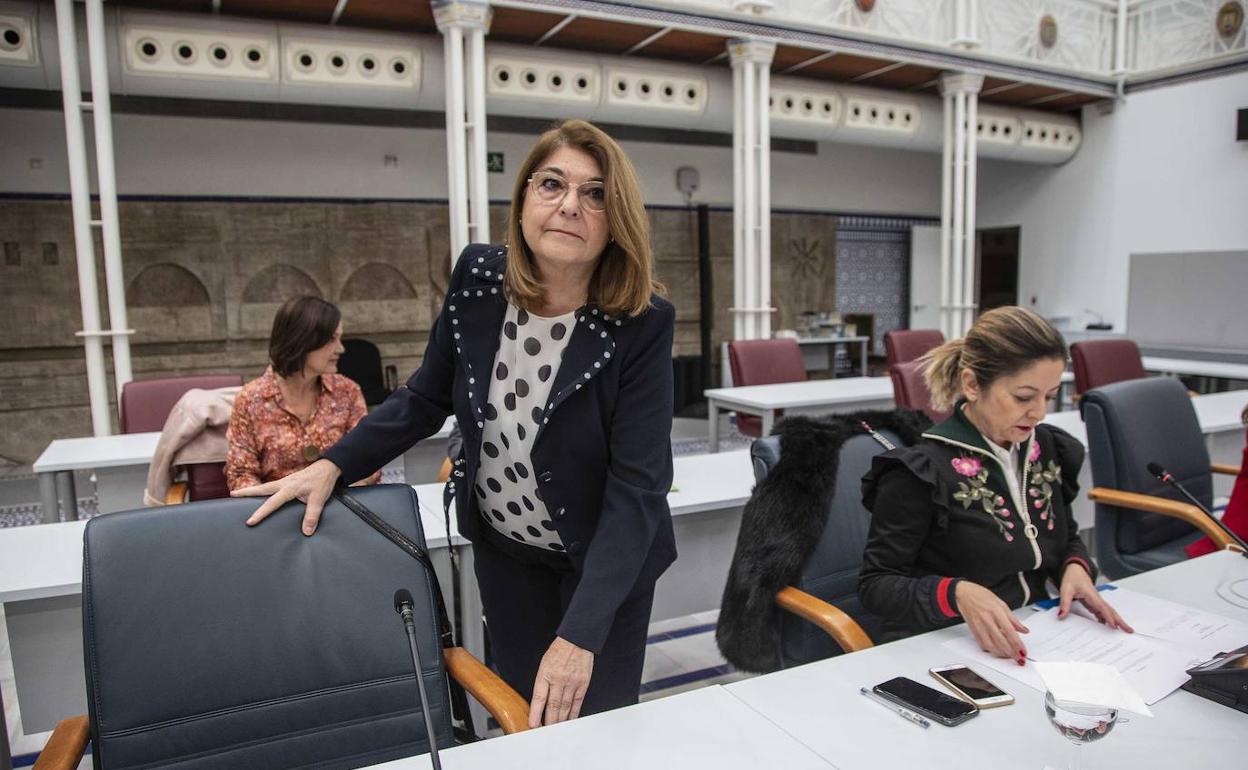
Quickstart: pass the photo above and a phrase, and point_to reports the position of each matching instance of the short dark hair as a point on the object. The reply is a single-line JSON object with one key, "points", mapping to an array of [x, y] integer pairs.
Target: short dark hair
{"points": [[301, 325]]}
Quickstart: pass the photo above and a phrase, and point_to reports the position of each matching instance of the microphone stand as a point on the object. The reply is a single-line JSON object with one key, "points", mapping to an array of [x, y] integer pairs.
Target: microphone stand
{"points": [[1165, 476], [404, 606]]}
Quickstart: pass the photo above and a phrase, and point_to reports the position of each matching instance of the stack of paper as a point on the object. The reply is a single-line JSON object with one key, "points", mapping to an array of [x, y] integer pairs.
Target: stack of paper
{"points": [[1169, 638]]}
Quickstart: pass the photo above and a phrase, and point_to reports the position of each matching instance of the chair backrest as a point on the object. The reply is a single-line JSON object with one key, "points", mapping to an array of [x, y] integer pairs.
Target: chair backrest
{"points": [[145, 404], [1102, 362], [766, 362], [361, 361], [831, 573], [210, 644], [904, 345], [1131, 424], [910, 390], [206, 481]]}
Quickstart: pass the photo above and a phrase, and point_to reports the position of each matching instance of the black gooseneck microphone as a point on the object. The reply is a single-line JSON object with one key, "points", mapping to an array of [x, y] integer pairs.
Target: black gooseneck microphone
{"points": [[403, 604], [1164, 475]]}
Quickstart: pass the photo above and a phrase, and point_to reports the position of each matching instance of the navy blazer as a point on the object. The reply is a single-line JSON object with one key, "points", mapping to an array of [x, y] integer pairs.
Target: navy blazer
{"points": [[602, 455]]}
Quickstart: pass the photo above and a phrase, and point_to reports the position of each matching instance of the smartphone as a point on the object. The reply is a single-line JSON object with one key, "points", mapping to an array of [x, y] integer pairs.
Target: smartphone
{"points": [[929, 702], [970, 686]]}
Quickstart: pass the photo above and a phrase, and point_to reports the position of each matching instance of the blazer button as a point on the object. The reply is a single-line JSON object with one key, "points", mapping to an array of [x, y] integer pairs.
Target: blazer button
{"points": [[545, 477], [575, 548], [560, 512]]}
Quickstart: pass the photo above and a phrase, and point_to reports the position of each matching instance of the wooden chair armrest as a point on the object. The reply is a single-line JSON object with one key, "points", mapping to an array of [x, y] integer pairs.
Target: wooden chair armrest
{"points": [[444, 472], [176, 494], [1173, 508], [68, 743], [1076, 398], [841, 627], [504, 704], [1229, 470]]}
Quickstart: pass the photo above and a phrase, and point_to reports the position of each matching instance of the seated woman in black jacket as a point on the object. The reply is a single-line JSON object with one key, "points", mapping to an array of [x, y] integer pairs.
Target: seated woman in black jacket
{"points": [[975, 518]]}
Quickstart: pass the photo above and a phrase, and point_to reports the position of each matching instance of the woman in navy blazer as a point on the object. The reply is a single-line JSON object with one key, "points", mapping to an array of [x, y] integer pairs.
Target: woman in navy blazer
{"points": [[567, 627]]}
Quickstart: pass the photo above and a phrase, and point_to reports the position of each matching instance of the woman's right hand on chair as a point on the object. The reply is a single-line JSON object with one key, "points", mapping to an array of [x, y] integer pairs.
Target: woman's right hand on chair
{"points": [[313, 485], [995, 627]]}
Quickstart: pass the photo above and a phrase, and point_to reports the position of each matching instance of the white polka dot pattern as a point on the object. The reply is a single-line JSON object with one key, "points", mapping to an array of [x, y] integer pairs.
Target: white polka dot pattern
{"points": [[529, 352]]}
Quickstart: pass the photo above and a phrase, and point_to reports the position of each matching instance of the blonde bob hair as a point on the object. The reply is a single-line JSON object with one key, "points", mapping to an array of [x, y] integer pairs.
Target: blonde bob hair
{"points": [[1001, 342], [623, 281]]}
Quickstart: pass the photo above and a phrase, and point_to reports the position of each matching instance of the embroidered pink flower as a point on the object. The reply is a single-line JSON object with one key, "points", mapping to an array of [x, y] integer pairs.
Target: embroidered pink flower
{"points": [[967, 466], [1003, 513], [1034, 453]]}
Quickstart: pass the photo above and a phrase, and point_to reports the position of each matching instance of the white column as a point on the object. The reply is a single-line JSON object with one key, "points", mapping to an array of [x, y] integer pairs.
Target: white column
{"points": [[106, 179], [80, 203], [751, 174], [957, 215], [463, 24]]}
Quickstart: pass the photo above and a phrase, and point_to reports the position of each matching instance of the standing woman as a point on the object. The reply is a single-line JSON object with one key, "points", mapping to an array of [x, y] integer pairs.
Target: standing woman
{"points": [[555, 357], [971, 522]]}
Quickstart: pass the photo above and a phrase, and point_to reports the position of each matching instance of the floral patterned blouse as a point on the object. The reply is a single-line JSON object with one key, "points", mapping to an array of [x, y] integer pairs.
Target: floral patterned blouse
{"points": [[268, 442]]}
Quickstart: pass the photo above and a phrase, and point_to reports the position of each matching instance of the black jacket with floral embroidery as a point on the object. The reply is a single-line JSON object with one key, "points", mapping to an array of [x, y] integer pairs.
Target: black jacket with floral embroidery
{"points": [[943, 511]]}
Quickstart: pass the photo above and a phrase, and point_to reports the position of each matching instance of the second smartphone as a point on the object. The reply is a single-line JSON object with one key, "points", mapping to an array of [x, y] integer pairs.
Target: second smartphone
{"points": [[972, 687]]}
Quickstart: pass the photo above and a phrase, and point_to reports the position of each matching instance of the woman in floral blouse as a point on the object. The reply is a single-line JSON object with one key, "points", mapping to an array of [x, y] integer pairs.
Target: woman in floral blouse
{"points": [[300, 405], [972, 521]]}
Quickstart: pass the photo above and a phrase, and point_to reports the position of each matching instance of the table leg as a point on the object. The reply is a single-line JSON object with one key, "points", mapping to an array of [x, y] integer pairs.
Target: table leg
{"points": [[68, 494], [471, 635], [6, 756], [712, 413], [48, 498], [769, 419], [864, 358]]}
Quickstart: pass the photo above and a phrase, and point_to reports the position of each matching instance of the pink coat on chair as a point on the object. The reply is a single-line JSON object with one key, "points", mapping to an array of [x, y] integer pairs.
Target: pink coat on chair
{"points": [[194, 432]]}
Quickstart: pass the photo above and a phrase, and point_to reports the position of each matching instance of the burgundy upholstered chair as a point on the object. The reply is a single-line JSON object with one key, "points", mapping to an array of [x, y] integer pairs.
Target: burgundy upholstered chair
{"points": [[910, 390], [903, 345], [763, 362], [145, 404], [1102, 362]]}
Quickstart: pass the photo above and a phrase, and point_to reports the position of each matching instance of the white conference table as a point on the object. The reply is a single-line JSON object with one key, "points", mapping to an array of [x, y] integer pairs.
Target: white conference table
{"points": [[1219, 369], [121, 463], [819, 704], [705, 729], [811, 397]]}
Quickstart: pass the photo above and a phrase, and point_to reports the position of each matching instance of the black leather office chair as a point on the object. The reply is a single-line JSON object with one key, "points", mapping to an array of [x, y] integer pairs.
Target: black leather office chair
{"points": [[795, 515], [1141, 522], [209, 644]]}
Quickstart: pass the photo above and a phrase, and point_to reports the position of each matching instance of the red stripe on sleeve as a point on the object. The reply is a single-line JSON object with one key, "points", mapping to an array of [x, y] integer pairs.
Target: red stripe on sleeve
{"points": [[942, 597]]}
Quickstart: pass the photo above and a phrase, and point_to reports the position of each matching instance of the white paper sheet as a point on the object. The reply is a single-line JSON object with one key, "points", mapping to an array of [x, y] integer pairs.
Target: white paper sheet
{"points": [[1154, 668], [1093, 683], [1201, 635]]}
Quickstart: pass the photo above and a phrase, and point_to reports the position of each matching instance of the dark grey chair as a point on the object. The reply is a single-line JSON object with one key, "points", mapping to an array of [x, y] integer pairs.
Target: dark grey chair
{"points": [[830, 575], [209, 644], [1141, 522]]}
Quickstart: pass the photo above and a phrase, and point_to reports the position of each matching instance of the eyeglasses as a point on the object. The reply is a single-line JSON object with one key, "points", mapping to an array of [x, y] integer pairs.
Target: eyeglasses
{"points": [[550, 187]]}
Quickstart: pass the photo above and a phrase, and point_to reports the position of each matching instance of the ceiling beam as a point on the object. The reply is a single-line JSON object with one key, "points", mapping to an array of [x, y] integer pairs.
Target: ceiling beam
{"points": [[721, 55], [1050, 98], [804, 63], [555, 30], [925, 85], [647, 41], [1001, 89], [880, 71]]}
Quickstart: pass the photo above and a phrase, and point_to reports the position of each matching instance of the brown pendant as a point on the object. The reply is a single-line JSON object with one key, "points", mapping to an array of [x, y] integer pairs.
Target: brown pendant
{"points": [[311, 453]]}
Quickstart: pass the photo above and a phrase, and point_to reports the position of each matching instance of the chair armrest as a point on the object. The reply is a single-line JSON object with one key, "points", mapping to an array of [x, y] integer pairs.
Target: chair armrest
{"points": [[504, 704], [1229, 470], [841, 627], [68, 743], [176, 494], [1173, 508]]}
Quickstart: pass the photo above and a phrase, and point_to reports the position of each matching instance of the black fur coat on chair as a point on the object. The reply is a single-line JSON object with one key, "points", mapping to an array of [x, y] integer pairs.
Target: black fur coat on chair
{"points": [[782, 523]]}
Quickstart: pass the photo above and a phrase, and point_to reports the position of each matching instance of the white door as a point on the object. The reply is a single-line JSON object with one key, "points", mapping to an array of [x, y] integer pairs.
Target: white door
{"points": [[925, 278]]}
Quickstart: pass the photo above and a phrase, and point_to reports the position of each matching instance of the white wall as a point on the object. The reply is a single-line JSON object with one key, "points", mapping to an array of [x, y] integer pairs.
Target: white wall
{"points": [[220, 157], [1161, 173]]}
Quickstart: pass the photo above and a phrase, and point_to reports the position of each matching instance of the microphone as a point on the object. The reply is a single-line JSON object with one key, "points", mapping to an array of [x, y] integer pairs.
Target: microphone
{"points": [[1164, 476], [403, 604]]}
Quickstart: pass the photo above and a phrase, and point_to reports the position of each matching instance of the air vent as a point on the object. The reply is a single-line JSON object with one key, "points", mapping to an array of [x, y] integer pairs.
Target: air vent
{"points": [[17, 40], [998, 129], [881, 115], [817, 107], [325, 62], [513, 76], [1039, 134], [164, 51], [655, 90]]}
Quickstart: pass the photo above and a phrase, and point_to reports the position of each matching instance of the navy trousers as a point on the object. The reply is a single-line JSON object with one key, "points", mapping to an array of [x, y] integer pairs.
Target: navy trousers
{"points": [[525, 592]]}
